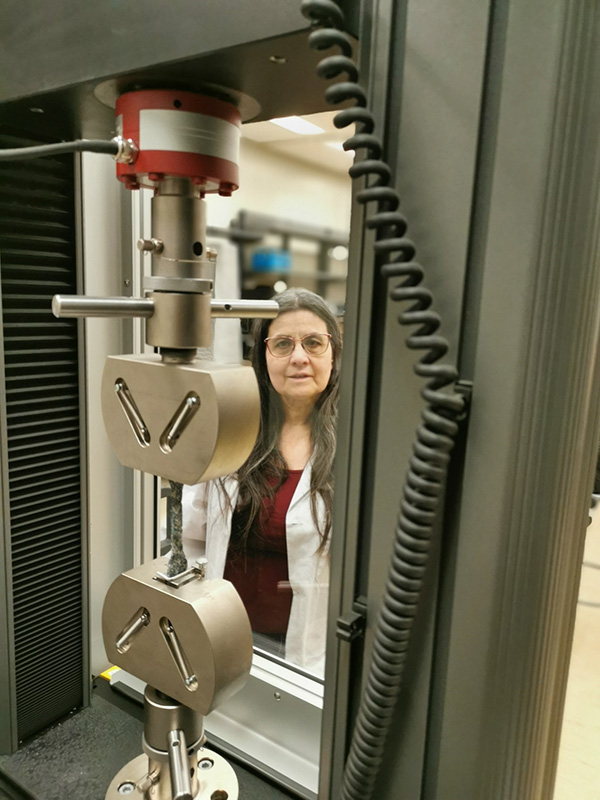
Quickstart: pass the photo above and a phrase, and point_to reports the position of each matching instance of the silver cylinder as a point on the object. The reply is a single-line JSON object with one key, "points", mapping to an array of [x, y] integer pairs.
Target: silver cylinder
{"points": [[244, 309], [180, 320], [179, 222], [78, 306], [161, 716], [179, 766]]}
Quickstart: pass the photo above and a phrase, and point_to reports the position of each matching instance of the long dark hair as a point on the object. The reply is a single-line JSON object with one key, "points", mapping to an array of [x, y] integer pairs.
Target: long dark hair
{"points": [[265, 470]]}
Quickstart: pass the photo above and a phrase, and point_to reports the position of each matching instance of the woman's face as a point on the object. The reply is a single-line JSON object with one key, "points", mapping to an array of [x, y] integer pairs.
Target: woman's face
{"points": [[299, 377]]}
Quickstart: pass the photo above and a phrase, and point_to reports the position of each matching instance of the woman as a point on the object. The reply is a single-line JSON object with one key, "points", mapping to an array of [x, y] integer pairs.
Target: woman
{"points": [[267, 527]]}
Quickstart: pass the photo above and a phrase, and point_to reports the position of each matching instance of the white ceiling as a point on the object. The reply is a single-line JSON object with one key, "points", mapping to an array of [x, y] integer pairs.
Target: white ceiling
{"points": [[315, 149]]}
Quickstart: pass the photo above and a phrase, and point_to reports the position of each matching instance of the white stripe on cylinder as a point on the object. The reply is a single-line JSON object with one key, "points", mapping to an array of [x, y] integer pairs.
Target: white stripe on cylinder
{"points": [[189, 132]]}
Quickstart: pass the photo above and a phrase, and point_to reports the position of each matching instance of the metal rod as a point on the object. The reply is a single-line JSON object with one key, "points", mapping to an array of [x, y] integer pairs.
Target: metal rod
{"points": [[133, 627], [139, 427], [244, 309], [78, 306], [261, 224], [181, 786], [172, 640], [180, 421]]}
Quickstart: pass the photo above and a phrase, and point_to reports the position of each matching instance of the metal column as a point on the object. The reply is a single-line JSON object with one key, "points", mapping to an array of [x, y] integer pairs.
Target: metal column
{"points": [[498, 164]]}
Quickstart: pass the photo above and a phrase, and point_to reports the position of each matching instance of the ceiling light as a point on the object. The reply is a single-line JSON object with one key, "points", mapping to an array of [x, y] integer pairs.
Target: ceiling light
{"points": [[339, 252], [298, 125]]}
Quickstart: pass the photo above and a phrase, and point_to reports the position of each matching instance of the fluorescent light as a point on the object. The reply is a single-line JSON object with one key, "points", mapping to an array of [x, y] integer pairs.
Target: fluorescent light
{"points": [[298, 125]]}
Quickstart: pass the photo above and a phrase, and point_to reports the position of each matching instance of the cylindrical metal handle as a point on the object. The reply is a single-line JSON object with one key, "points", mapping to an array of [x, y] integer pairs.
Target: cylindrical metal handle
{"points": [[181, 786], [79, 306], [244, 309]]}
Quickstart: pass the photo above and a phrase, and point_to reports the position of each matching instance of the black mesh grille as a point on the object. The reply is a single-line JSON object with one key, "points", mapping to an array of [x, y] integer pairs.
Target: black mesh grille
{"points": [[37, 260]]}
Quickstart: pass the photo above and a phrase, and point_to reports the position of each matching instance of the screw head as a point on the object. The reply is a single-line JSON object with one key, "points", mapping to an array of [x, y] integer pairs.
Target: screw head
{"points": [[206, 763], [126, 788]]}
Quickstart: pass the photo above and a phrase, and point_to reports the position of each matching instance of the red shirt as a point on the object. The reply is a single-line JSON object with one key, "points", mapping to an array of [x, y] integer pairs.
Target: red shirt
{"points": [[260, 572]]}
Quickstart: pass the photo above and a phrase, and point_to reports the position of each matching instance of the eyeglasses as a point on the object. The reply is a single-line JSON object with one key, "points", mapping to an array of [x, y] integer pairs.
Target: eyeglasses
{"points": [[315, 344]]}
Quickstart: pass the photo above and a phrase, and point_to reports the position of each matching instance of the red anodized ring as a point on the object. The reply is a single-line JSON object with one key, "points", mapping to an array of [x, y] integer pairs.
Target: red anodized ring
{"points": [[180, 134]]}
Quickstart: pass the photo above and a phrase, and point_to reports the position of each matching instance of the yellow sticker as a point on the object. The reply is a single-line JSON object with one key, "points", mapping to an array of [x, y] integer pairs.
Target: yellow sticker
{"points": [[108, 672]]}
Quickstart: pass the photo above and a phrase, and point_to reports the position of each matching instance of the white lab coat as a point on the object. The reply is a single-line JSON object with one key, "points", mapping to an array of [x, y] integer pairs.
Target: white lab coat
{"points": [[207, 515]]}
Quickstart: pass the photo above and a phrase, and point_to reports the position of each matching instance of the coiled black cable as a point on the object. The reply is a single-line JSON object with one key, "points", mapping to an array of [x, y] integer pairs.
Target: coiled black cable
{"points": [[435, 436], [78, 146]]}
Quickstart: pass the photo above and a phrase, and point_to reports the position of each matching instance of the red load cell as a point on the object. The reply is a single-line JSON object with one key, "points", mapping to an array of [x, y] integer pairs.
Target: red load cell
{"points": [[180, 134]]}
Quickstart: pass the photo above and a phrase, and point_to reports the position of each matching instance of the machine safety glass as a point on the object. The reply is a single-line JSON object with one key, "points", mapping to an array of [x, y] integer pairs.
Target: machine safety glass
{"points": [[315, 344]]}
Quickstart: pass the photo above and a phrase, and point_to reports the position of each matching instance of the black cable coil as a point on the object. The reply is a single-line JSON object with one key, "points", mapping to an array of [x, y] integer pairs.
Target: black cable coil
{"points": [[425, 480]]}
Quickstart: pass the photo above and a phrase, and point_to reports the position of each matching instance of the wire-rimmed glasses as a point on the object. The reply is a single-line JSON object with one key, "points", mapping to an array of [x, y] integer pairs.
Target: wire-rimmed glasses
{"points": [[315, 344]]}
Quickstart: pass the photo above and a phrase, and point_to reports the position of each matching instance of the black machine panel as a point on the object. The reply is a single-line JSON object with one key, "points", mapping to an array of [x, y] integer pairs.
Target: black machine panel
{"points": [[63, 72], [43, 444]]}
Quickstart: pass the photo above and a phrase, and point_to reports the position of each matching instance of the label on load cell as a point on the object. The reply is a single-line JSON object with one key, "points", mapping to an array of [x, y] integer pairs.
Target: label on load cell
{"points": [[188, 132]]}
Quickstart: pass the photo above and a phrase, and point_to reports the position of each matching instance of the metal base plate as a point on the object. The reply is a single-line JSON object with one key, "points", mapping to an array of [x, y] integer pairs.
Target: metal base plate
{"points": [[216, 777]]}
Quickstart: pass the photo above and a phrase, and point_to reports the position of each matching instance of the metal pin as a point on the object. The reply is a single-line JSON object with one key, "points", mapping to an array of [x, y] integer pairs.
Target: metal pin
{"points": [[140, 619], [172, 640], [81, 306], [179, 422], [181, 786], [244, 309], [135, 419]]}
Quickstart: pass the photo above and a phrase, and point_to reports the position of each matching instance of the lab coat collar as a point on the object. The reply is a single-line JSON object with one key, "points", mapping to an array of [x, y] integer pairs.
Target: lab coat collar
{"points": [[303, 486]]}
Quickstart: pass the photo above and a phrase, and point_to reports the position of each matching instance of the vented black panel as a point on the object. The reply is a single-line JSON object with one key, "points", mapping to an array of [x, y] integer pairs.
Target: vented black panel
{"points": [[38, 260]]}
